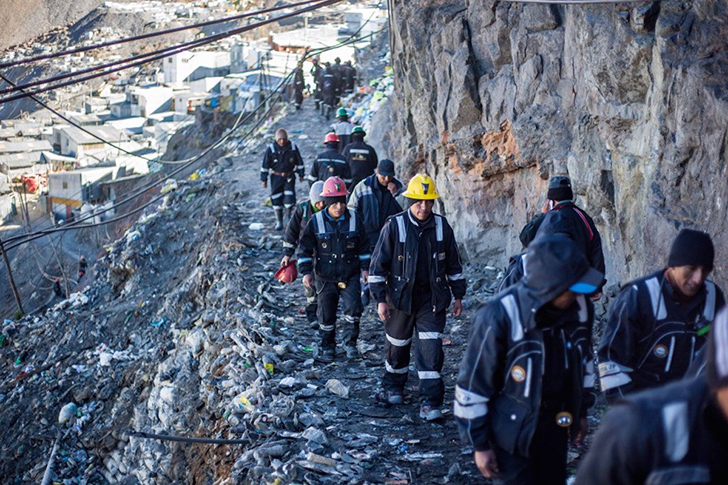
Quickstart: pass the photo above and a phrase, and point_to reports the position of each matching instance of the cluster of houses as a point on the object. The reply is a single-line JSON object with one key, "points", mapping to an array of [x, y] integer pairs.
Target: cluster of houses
{"points": [[71, 171]]}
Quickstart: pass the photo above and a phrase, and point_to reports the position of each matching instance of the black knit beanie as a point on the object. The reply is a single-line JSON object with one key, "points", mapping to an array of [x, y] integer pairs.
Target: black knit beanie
{"points": [[716, 370], [692, 248], [334, 200], [560, 188]]}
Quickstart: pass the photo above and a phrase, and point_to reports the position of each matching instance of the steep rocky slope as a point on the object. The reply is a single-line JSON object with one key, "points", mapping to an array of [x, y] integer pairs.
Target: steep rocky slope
{"points": [[629, 100], [23, 20]]}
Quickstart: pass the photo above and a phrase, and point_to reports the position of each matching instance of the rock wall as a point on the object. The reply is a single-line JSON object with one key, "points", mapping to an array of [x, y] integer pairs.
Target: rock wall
{"points": [[629, 100]]}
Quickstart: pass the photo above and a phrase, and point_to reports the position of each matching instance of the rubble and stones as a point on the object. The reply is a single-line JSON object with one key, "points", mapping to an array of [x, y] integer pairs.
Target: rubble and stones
{"points": [[184, 332]]}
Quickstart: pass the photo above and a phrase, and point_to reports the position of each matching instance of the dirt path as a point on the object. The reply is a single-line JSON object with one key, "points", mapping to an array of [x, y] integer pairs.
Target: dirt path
{"points": [[182, 319]]}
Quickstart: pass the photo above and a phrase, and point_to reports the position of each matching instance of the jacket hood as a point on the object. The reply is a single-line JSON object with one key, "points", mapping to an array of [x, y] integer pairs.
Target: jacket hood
{"points": [[553, 264]]}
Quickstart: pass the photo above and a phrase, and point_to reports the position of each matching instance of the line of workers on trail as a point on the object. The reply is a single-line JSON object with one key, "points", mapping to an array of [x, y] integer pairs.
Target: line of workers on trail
{"points": [[331, 83], [528, 375]]}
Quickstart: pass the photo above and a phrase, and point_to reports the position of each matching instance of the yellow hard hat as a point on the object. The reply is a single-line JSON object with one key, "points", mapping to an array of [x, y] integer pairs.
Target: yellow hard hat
{"points": [[421, 187]]}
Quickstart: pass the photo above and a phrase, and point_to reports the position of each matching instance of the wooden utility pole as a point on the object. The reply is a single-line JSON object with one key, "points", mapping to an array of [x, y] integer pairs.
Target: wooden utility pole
{"points": [[10, 275]]}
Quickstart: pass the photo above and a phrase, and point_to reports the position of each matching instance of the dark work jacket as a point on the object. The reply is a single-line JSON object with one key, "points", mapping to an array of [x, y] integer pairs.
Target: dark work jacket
{"points": [[343, 130], [362, 160], [334, 251], [317, 73], [650, 339], [499, 387], [365, 199], [300, 217], [349, 78], [338, 71], [285, 160], [515, 271], [328, 85], [566, 218], [673, 435], [329, 163], [394, 263]]}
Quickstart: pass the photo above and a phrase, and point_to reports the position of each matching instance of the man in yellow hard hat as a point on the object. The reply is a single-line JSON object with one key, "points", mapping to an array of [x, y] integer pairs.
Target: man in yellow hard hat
{"points": [[414, 274]]}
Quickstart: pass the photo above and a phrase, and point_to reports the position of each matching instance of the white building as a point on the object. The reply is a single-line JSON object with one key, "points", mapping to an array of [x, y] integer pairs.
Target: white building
{"points": [[70, 190], [75, 142], [188, 101], [189, 66], [7, 147], [149, 100]]}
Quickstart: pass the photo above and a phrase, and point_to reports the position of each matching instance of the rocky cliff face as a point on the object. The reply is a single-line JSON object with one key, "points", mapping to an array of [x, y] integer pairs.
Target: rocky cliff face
{"points": [[631, 101]]}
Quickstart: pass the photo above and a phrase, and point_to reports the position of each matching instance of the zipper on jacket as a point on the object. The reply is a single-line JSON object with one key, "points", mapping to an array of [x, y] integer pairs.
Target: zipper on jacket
{"points": [[529, 369], [566, 352]]}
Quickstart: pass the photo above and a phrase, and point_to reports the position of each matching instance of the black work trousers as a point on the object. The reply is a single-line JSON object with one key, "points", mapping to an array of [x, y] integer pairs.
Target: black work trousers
{"points": [[311, 304], [298, 94], [547, 463], [329, 293], [283, 191], [426, 328]]}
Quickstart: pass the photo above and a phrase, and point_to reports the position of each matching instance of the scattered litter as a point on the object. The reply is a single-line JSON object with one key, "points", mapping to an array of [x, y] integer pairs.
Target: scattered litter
{"points": [[336, 387]]}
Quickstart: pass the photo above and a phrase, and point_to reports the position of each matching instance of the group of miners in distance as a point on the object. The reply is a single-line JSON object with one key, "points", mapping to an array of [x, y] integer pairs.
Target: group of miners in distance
{"points": [[527, 378], [331, 83]]}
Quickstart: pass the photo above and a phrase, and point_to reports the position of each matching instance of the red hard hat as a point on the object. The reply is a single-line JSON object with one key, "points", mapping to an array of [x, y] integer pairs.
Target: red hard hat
{"points": [[331, 138], [334, 187], [289, 273]]}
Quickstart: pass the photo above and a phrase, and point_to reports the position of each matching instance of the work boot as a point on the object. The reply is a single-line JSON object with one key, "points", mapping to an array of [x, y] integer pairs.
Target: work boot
{"points": [[351, 352], [430, 413], [327, 355], [390, 397], [279, 220]]}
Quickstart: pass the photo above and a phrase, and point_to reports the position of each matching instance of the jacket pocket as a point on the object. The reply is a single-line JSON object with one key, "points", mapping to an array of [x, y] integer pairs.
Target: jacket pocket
{"points": [[508, 418]]}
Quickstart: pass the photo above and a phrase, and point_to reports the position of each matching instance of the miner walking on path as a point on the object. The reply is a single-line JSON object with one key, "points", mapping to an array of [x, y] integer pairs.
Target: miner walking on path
{"points": [[303, 213], [658, 323], [374, 199], [362, 158], [282, 162], [415, 272], [298, 84], [343, 128], [564, 217], [526, 379], [330, 163], [335, 248], [674, 434]]}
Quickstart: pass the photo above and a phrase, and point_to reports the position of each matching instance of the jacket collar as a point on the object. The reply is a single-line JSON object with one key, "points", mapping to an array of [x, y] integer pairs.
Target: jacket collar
{"points": [[341, 220], [563, 203], [412, 220]]}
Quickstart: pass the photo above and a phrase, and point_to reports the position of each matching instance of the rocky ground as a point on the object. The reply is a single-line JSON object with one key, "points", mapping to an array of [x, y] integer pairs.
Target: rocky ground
{"points": [[183, 331]]}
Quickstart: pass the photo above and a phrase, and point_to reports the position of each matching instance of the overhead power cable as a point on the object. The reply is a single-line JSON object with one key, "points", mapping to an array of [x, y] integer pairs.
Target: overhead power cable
{"points": [[150, 35], [77, 224], [80, 127], [168, 53]]}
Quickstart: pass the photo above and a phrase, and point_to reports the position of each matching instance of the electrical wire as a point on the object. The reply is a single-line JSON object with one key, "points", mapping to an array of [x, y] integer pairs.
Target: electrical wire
{"points": [[176, 50], [150, 35], [75, 224], [196, 158], [85, 130]]}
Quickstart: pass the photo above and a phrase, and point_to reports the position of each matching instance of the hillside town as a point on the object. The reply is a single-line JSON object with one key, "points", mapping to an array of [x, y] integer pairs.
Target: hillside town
{"points": [[67, 171]]}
